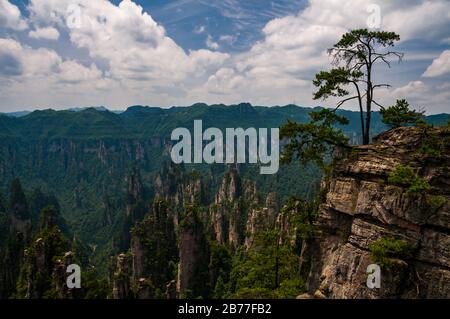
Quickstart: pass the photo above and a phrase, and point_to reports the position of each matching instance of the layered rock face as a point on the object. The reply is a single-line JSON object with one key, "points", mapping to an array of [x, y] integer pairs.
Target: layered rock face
{"points": [[261, 219], [194, 257], [362, 206], [121, 280], [174, 185], [234, 201], [233, 218]]}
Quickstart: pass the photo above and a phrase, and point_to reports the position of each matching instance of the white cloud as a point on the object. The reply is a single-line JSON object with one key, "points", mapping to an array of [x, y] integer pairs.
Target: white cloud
{"points": [[211, 44], [44, 64], [141, 63], [277, 70], [412, 89], [425, 96], [73, 72], [420, 19], [10, 16], [200, 29], [229, 39], [138, 51], [440, 66], [48, 33], [29, 63], [43, 75]]}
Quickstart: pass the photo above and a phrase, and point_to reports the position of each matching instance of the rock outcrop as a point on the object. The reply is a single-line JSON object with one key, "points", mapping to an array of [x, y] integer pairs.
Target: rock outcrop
{"points": [[194, 256], [60, 277], [154, 248], [261, 219], [362, 207], [121, 280], [229, 212], [178, 187]]}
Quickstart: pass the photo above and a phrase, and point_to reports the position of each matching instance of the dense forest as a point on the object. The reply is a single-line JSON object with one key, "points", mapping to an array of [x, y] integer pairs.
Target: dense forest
{"points": [[98, 189]]}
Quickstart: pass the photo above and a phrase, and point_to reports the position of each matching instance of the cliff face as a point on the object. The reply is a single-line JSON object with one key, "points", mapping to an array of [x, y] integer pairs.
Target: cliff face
{"points": [[194, 257], [181, 225], [237, 209], [174, 185], [228, 210], [121, 278], [261, 219], [153, 247], [364, 206]]}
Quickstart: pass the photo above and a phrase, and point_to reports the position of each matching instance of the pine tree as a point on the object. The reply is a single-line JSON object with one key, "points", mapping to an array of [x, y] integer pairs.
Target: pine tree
{"points": [[400, 114]]}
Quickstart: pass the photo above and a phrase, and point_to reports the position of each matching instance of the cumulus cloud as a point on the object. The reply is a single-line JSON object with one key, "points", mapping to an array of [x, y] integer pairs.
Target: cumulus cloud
{"points": [[43, 75], [136, 47], [412, 89], [141, 64], [31, 63], [278, 69], [10, 16], [425, 96], [72, 72], [420, 19], [48, 33], [440, 66]]}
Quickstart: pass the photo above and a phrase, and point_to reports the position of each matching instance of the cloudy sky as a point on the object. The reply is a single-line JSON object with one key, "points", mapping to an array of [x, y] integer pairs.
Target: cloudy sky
{"points": [[67, 53]]}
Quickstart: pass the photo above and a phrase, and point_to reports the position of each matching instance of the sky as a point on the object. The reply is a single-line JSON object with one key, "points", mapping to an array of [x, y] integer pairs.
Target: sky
{"points": [[76, 53]]}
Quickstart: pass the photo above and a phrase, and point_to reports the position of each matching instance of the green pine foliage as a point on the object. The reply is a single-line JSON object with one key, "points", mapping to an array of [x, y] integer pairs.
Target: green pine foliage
{"points": [[314, 141], [159, 247], [267, 270], [386, 250], [48, 247], [27, 265], [405, 176], [400, 114], [436, 201]]}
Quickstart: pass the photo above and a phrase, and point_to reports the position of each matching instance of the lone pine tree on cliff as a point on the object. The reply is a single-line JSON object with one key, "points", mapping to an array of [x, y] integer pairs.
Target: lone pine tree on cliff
{"points": [[354, 57]]}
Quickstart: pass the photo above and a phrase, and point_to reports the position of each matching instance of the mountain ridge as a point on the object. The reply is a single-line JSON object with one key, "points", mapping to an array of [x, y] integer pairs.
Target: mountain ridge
{"points": [[143, 121]]}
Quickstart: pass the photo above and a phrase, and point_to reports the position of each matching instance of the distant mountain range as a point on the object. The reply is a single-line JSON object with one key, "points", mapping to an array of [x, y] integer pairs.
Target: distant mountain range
{"points": [[74, 109], [435, 118], [144, 121]]}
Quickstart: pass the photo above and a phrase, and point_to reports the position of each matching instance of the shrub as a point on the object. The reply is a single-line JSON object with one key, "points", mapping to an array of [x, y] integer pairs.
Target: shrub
{"points": [[291, 288], [385, 249], [430, 150], [436, 201], [405, 176]]}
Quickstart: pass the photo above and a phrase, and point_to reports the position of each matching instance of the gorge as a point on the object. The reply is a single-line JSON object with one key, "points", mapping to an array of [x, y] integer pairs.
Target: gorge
{"points": [[142, 227]]}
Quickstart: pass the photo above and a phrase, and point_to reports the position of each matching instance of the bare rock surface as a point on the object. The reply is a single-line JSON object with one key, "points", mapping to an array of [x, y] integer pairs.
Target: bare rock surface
{"points": [[362, 206]]}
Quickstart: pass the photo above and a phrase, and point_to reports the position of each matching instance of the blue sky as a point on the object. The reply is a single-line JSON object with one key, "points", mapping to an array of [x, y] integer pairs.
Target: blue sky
{"points": [[60, 54], [241, 20]]}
